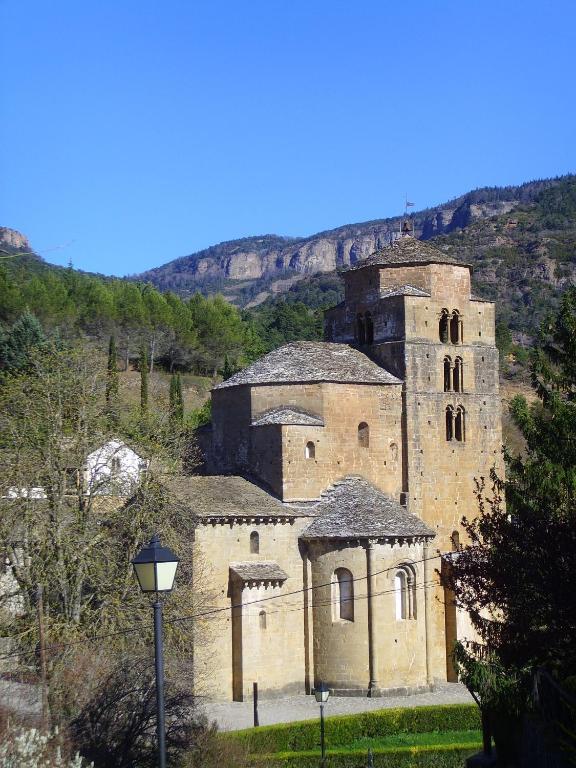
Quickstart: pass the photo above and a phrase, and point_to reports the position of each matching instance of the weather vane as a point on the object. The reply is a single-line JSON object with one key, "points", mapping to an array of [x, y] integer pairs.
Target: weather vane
{"points": [[405, 229]]}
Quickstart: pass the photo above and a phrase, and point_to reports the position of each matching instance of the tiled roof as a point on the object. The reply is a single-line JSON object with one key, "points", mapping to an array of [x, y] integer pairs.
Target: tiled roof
{"points": [[312, 361], [405, 250], [288, 415], [258, 571], [218, 496], [353, 508], [403, 290]]}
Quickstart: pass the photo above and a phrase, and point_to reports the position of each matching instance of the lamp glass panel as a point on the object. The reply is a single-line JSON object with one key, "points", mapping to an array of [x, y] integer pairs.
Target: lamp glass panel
{"points": [[145, 575], [165, 573]]}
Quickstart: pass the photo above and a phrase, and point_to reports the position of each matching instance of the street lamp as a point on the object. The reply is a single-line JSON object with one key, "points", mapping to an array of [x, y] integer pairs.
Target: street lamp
{"points": [[321, 693], [155, 568]]}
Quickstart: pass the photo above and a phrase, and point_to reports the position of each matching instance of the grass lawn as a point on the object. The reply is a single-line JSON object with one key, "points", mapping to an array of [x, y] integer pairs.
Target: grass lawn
{"points": [[417, 740]]}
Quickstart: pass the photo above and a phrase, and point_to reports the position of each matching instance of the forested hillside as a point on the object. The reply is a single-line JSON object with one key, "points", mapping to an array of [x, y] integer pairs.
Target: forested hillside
{"points": [[203, 335], [523, 259]]}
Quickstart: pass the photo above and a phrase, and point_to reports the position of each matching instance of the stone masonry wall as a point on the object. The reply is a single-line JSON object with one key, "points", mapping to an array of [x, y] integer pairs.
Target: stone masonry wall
{"points": [[266, 456], [337, 449], [341, 646], [440, 474], [272, 657], [231, 417]]}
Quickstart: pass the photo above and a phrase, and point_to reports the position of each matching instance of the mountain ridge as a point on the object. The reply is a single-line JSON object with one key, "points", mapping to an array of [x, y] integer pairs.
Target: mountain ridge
{"points": [[269, 257]]}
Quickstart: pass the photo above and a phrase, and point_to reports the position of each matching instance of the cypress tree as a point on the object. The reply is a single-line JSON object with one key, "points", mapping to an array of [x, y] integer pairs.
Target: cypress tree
{"points": [[176, 401], [179, 400], [227, 371], [143, 380], [112, 374], [172, 401]]}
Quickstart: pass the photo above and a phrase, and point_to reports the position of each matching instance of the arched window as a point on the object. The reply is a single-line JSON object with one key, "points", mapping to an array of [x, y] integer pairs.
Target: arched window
{"points": [[262, 619], [254, 542], [393, 453], [360, 330], [363, 435], [405, 592], [458, 376], [369, 329], [456, 328], [342, 595], [444, 326], [459, 424], [449, 422], [447, 373], [310, 451]]}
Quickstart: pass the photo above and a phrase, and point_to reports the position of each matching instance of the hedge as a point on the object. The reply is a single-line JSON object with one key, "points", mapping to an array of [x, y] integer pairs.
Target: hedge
{"points": [[342, 730], [446, 756]]}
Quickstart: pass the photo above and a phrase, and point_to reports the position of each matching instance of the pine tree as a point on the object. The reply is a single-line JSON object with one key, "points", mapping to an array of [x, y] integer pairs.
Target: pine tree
{"points": [[143, 380], [112, 383], [24, 337]]}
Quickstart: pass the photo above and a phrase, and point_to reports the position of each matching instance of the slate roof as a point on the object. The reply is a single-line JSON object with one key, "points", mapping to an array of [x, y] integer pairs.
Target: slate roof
{"points": [[354, 509], [403, 290], [218, 496], [405, 250], [288, 415], [264, 570], [303, 361], [473, 297]]}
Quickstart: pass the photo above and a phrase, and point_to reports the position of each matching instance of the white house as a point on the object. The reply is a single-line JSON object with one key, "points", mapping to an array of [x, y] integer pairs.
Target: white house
{"points": [[114, 469]]}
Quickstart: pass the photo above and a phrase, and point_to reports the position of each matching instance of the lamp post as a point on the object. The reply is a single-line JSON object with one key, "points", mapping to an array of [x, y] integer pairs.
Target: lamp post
{"points": [[155, 568], [321, 693]]}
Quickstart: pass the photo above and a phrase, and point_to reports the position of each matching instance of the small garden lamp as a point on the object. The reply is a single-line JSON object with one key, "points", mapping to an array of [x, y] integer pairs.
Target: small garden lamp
{"points": [[321, 694], [155, 568]]}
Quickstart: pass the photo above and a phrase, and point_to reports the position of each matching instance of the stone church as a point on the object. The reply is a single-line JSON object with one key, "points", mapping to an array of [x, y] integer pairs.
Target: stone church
{"points": [[338, 474]]}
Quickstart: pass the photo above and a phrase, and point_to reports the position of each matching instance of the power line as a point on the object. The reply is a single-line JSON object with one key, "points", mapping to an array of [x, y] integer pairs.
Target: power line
{"points": [[222, 609], [209, 614]]}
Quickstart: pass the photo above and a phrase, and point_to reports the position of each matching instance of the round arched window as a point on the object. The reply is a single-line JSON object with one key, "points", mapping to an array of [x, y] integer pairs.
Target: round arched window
{"points": [[343, 595]]}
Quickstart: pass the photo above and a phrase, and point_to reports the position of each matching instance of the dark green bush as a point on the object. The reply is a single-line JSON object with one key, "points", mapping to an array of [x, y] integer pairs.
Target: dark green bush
{"points": [[344, 729], [448, 756]]}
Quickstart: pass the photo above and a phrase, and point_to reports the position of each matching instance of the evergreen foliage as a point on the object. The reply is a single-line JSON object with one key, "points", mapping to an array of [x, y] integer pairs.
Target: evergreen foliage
{"points": [[143, 380], [281, 321], [111, 394], [176, 401], [25, 336], [346, 729], [515, 576], [194, 334]]}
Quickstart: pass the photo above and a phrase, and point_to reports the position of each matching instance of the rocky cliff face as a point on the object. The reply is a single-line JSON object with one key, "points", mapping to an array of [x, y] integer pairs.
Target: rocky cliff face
{"points": [[270, 256], [13, 240]]}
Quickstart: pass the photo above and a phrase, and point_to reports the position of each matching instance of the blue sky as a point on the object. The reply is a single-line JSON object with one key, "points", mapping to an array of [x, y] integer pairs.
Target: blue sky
{"points": [[137, 131]]}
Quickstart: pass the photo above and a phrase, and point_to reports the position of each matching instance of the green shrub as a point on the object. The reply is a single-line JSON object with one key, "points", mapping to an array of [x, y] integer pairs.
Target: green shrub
{"points": [[448, 756], [341, 730]]}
